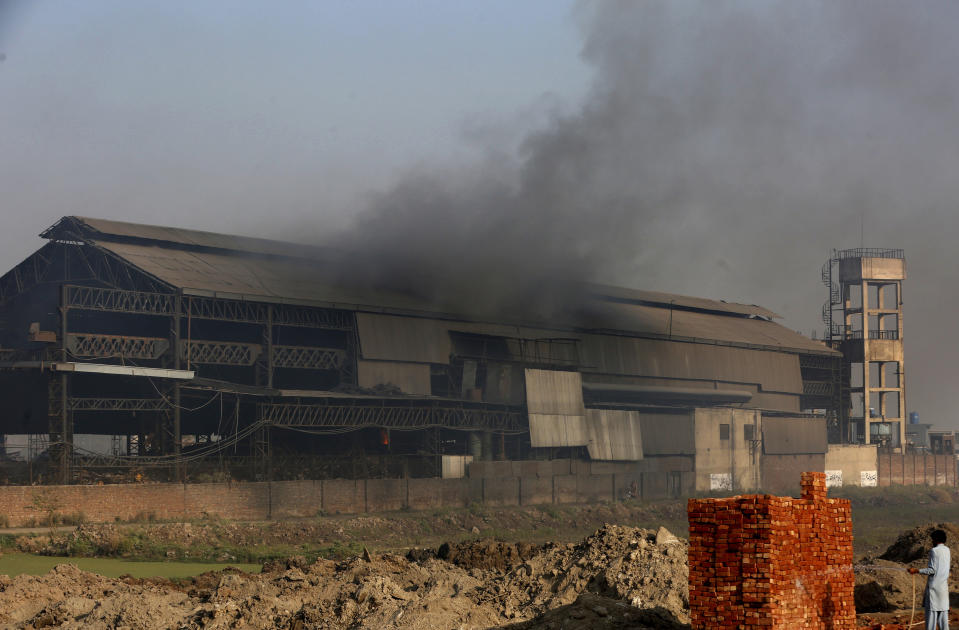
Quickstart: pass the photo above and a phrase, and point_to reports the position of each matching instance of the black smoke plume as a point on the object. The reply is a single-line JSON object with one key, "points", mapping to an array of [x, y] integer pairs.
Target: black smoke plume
{"points": [[723, 150]]}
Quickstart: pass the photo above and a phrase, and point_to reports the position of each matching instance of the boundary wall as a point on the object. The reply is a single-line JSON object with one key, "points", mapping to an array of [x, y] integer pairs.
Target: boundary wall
{"points": [[772, 562], [914, 469], [494, 483]]}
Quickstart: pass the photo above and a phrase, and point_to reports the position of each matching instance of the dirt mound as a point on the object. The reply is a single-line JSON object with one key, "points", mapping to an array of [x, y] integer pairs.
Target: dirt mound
{"points": [[895, 584], [68, 595], [619, 577], [487, 554], [624, 563], [915, 544]]}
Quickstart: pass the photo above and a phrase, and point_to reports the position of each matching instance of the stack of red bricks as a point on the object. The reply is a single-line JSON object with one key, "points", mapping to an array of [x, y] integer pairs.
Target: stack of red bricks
{"points": [[772, 562]]}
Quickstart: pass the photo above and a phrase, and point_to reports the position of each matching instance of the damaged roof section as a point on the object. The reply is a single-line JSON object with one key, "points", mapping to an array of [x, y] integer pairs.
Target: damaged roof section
{"points": [[678, 302]]}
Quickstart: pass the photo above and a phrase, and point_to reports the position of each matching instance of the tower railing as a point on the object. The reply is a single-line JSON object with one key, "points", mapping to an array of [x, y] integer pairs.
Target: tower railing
{"points": [[868, 252]]}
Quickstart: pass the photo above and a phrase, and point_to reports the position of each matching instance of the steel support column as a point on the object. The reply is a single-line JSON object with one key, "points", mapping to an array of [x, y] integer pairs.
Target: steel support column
{"points": [[265, 361], [262, 454], [177, 435]]}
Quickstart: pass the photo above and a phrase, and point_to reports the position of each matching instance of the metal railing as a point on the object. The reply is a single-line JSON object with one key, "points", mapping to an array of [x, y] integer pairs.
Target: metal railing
{"points": [[868, 252]]}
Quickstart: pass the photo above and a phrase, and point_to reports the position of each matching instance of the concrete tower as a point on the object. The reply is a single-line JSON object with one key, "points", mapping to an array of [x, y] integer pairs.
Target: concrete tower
{"points": [[864, 314]]}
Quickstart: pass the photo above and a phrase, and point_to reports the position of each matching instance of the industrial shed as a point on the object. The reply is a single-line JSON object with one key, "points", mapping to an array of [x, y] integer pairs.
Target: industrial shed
{"points": [[204, 354]]}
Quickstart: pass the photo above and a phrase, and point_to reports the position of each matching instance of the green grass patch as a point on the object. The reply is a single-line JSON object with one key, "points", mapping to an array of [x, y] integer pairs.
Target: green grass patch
{"points": [[22, 563]]}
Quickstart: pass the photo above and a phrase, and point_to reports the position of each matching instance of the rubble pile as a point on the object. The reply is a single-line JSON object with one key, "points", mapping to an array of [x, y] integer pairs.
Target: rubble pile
{"points": [[644, 568], [618, 577]]}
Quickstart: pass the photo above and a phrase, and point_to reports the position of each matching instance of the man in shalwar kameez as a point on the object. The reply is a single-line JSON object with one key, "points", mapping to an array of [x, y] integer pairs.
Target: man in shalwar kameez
{"points": [[936, 599]]}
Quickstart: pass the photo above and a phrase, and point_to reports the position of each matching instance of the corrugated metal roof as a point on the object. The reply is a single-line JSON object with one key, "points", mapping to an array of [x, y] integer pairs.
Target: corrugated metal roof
{"points": [[680, 324], [785, 436], [234, 276], [232, 267], [614, 435], [106, 230]]}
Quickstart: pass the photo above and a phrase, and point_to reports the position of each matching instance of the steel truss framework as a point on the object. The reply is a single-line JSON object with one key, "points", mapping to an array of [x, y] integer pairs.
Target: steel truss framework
{"points": [[825, 388], [88, 345], [93, 279], [219, 352], [202, 351], [120, 301], [72, 262], [308, 357], [85, 403], [422, 414], [155, 303]]}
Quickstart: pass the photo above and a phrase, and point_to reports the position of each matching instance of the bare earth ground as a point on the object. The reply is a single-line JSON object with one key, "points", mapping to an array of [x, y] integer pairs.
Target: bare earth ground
{"points": [[628, 577], [518, 568]]}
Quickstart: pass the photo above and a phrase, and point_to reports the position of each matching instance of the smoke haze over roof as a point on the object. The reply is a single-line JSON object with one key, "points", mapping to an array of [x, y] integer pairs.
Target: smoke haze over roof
{"points": [[721, 149]]}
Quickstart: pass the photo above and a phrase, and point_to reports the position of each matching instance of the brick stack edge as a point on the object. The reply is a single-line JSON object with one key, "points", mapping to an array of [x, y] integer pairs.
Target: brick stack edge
{"points": [[762, 561]]}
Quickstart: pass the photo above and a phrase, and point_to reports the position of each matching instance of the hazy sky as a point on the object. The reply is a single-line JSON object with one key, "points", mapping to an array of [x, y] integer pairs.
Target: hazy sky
{"points": [[708, 148], [234, 115]]}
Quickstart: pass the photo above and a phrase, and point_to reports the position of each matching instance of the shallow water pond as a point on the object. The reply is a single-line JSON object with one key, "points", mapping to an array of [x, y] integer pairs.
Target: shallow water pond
{"points": [[18, 563]]}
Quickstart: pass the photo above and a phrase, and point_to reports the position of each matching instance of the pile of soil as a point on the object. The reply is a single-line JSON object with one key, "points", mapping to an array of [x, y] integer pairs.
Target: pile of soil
{"points": [[647, 569], [67, 596], [618, 577], [487, 554], [915, 544], [882, 584]]}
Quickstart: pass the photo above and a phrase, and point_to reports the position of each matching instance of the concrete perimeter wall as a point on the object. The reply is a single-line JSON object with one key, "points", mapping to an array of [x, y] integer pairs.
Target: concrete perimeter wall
{"points": [[916, 469], [851, 465], [491, 483]]}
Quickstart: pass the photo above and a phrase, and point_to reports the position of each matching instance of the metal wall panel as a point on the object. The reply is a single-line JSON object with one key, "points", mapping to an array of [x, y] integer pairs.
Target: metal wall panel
{"points": [[421, 339], [409, 339], [554, 392], [774, 371], [667, 433], [412, 378], [787, 436], [614, 434], [557, 430], [554, 400]]}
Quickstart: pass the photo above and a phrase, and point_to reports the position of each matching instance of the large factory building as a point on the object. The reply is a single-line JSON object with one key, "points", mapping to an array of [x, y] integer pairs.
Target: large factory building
{"points": [[197, 355]]}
